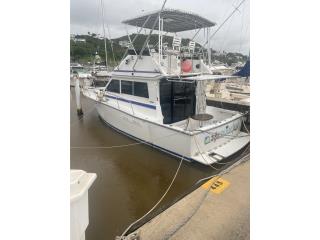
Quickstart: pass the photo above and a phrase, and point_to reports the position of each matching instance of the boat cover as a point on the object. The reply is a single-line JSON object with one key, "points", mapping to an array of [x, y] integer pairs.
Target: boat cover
{"points": [[245, 71]]}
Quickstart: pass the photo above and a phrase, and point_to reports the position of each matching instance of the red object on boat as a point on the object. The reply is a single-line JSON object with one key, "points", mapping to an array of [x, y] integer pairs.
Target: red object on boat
{"points": [[186, 65]]}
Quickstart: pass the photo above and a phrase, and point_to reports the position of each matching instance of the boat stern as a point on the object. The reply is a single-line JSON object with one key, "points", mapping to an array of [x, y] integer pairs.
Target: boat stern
{"points": [[212, 145]]}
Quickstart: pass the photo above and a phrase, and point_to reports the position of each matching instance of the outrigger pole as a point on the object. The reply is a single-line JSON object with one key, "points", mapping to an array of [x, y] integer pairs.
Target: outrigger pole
{"points": [[135, 37], [235, 9], [151, 30]]}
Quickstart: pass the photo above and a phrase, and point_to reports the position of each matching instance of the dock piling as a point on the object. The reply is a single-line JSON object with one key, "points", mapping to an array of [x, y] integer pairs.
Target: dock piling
{"points": [[78, 102]]}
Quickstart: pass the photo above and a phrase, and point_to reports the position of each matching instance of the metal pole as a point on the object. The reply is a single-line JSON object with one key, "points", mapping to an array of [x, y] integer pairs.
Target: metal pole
{"points": [[209, 49], [213, 34], [159, 39], [236, 9], [146, 41], [126, 52], [104, 34], [130, 42], [161, 36]]}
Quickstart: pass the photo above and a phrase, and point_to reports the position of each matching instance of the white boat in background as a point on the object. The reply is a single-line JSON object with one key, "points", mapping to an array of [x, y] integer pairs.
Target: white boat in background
{"points": [[221, 69], [158, 96], [101, 77], [236, 91], [79, 71]]}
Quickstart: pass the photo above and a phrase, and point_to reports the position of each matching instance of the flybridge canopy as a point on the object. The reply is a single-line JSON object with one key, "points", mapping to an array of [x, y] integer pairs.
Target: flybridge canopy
{"points": [[173, 21]]}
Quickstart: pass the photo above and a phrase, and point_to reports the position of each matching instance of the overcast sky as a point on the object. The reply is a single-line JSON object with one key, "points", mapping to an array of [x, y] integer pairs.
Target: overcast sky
{"points": [[234, 36]]}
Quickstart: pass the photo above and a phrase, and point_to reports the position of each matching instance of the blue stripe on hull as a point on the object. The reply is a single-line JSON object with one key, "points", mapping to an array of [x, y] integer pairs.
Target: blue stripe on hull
{"points": [[130, 71], [148, 143]]}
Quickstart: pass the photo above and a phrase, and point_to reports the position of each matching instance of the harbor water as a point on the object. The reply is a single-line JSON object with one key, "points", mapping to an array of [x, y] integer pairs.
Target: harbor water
{"points": [[130, 180]]}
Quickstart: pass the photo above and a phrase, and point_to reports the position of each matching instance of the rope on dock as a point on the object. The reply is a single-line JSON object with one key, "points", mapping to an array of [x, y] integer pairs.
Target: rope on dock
{"points": [[197, 207], [200, 202], [122, 237]]}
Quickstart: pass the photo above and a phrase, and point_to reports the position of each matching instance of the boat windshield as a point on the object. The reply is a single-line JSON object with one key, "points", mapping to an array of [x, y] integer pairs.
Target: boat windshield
{"points": [[79, 70]]}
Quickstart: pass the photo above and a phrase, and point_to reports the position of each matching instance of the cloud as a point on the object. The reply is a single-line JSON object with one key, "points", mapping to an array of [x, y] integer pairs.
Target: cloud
{"points": [[85, 16]]}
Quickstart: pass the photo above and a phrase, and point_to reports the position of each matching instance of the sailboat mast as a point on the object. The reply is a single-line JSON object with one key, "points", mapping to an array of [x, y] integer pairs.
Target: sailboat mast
{"points": [[104, 33]]}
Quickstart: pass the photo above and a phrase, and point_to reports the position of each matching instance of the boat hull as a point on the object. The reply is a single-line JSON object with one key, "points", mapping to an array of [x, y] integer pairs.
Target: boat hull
{"points": [[191, 147]]}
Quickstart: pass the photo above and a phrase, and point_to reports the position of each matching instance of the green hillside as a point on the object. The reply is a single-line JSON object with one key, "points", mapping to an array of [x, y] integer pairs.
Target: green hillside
{"points": [[84, 52]]}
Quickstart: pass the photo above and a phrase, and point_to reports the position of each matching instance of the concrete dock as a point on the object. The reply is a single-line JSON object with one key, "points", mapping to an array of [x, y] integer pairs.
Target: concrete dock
{"points": [[216, 210]]}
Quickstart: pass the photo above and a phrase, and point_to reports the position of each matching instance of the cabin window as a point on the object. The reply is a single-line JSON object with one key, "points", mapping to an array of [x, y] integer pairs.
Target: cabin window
{"points": [[114, 86], [140, 89], [100, 83], [127, 87]]}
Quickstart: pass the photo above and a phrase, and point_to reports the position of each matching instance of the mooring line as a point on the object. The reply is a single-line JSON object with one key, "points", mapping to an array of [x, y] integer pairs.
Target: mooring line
{"points": [[195, 209], [172, 181], [200, 202]]}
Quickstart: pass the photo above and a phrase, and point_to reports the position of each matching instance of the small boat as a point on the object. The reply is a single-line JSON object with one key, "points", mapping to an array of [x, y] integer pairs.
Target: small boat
{"points": [[101, 77], [221, 69], [158, 96], [100, 73], [79, 71]]}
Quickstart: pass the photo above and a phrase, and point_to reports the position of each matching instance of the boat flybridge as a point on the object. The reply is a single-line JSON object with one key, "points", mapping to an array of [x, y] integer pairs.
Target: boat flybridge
{"points": [[158, 95]]}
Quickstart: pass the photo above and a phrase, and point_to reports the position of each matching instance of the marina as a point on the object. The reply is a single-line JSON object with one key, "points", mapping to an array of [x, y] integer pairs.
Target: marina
{"points": [[130, 180], [150, 132], [140, 120]]}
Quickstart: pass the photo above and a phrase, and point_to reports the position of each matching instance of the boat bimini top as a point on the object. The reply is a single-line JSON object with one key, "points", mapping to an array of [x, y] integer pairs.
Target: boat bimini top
{"points": [[174, 61], [175, 21]]}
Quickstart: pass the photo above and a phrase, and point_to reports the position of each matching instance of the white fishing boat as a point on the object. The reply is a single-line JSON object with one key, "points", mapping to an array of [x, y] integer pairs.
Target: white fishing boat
{"points": [[158, 95]]}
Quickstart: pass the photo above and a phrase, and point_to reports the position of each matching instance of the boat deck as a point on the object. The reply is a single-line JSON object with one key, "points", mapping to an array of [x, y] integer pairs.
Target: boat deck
{"points": [[218, 114]]}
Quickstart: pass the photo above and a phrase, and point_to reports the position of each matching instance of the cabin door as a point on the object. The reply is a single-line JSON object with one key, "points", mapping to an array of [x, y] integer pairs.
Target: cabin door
{"points": [[177, 100]]}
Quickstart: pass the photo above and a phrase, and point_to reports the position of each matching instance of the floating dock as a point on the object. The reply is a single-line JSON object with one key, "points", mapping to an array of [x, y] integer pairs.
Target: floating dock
{"points": [[218, 209]]}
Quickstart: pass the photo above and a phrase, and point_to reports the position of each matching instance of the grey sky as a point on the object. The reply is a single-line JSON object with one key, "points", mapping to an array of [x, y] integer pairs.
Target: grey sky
{"points": [[85, 16]]}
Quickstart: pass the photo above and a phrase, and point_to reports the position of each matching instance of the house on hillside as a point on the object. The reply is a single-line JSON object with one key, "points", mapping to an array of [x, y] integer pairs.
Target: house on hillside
{"points": [[79, 40], [124, 43], [75, 38]]}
